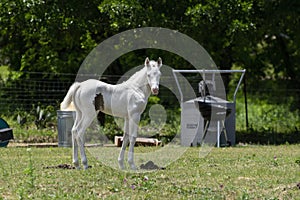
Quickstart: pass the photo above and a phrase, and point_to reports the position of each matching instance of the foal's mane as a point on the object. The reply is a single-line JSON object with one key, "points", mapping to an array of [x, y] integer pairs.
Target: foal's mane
{"points": [[136, 75]]}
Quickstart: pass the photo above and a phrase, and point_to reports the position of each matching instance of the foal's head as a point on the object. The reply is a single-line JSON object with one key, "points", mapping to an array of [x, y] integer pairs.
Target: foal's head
{"points": [[153, 74]]}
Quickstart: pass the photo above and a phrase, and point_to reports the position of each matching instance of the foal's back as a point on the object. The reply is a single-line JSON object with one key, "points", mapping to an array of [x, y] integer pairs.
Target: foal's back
{"points": [[116, 100]]}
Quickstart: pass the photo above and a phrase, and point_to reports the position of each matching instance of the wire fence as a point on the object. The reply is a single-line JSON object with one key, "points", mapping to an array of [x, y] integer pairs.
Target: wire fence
{"points": [[32, 89], [48, 89]]}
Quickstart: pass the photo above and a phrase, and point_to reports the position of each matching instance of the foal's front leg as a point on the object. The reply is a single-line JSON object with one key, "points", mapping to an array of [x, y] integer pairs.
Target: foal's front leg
{"points": [[132, 140], [124, 144], [122, 152], [133, 128]]}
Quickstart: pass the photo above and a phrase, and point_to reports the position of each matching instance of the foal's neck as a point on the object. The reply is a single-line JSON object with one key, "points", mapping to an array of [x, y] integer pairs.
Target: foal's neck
{"points": [[142, 82], [139, 80]]}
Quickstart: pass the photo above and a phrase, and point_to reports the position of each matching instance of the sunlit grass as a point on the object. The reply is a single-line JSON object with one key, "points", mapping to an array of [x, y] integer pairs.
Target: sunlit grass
{"points": [[251, 172]]}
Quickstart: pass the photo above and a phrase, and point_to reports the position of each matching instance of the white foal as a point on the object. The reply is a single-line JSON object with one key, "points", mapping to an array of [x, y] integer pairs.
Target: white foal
{"points": [[127, 100]]}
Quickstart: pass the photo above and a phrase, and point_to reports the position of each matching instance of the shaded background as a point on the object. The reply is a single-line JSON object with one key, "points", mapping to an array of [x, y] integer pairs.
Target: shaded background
{"points": [[43, 43]]}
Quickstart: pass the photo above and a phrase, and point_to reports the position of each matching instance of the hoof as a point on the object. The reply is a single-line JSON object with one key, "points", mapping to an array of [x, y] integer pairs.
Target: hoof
{"points": [[132, 166], [121, 164], [76, 165], [85, 167]]}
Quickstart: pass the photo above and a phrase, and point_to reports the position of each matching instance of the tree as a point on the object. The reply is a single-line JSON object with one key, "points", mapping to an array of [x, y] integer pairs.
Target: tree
{"points": [[279, 38], [53, 36], [222, 27]]}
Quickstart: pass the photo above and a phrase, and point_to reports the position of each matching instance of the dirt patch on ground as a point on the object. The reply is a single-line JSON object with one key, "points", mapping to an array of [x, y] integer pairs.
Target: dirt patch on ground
{"points": [[151, 166], [148, 166], [60, 166]]}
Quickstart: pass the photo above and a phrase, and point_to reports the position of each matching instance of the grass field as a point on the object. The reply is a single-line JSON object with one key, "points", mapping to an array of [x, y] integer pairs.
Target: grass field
{"points": [[245, 172]]}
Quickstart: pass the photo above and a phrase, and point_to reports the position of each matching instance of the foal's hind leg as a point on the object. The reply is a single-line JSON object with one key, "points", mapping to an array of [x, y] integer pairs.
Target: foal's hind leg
{"points": [[87, 119], [74, 136], [75, 149]]}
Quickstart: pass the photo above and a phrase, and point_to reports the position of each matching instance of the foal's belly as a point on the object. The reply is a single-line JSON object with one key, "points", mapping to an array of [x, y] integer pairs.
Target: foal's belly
{"points": [[116, 111], [115, 105], [122, 104]]}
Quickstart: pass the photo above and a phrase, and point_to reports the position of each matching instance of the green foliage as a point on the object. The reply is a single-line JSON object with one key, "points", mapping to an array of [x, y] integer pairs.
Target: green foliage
{"points": [[56, 36], [39, 116], [268, 123], [42, 117], [34, 126], [278, 114], [224, 28], [122, 15], [260, 36]]}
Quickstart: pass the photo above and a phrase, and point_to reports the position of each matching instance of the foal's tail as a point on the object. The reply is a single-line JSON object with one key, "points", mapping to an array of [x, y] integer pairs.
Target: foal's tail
{"points": [[68, 98]]}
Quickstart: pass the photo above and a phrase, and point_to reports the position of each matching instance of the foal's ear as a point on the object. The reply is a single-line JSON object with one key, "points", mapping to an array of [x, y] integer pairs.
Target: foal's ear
{"points": [[147, 62], [159, 62]]}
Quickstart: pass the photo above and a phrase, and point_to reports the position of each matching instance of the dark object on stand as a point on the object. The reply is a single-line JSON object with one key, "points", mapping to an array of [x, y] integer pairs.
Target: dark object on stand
{"points": [[213, 110]]}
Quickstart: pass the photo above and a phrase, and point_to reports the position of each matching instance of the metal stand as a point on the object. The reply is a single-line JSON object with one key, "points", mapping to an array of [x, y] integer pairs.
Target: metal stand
{"points": [[213, 109], [219, 131]]}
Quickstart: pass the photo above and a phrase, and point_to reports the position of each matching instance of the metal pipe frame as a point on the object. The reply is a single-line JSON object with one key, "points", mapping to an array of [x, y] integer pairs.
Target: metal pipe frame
{"points": [[208, 71]]}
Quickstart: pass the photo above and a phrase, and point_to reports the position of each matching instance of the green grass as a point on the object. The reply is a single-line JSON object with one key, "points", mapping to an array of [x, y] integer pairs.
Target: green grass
{"points": [[250, 172]]}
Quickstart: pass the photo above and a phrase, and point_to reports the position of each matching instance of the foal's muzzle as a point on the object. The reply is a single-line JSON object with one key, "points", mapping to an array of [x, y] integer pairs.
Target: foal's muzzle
{"points": [[155, 91]]}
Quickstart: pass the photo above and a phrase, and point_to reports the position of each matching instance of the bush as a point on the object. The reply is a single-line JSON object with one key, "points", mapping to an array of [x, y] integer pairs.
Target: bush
{"points": [[267, 117]]}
